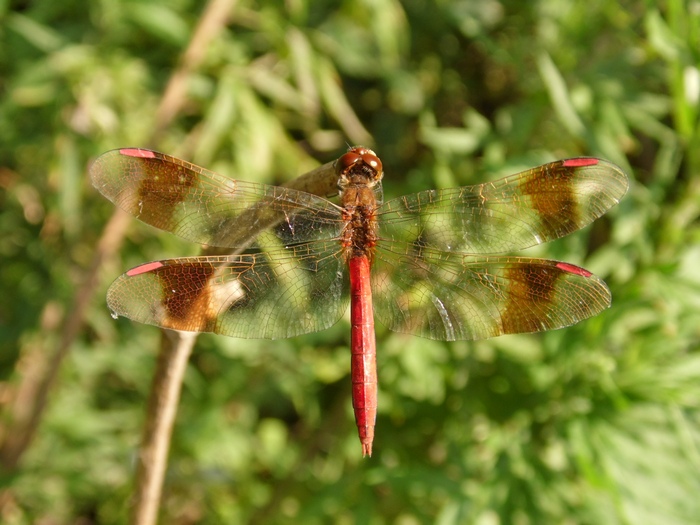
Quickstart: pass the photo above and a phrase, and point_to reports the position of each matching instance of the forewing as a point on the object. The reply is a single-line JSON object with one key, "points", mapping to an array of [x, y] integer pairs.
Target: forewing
{"points": [[207, 208], [513, 213], [449, 296], [270, 294]]}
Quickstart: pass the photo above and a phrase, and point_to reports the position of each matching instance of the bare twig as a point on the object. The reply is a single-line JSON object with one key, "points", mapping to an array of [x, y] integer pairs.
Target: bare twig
{"points": [[175, 347], [175, 351], [213, 19]]}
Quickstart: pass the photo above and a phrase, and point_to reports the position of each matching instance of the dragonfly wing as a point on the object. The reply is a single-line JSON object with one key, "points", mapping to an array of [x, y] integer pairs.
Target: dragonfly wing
{"points": [[532, 207], [204, 207], [264, 295], [449, 296]]}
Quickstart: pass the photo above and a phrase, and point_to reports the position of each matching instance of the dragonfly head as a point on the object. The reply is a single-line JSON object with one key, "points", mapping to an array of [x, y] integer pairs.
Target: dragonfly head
{"points": [[360, 166]]}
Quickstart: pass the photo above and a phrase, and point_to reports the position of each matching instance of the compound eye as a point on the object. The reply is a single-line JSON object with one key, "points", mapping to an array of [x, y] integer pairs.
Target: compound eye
{"points": [[346, 161], [372, 161]]}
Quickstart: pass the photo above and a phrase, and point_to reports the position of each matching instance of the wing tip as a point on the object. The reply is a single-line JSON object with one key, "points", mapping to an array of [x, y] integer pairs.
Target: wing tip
{"points": [[617, 185]]}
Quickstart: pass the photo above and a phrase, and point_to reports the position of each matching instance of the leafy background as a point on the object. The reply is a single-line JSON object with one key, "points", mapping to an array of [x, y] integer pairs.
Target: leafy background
{"points": [[597, 423]]}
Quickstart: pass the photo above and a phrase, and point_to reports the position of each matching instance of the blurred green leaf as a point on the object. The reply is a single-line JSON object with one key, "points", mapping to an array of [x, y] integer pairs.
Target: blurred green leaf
{"points": [[44, 38], [160, 20]]}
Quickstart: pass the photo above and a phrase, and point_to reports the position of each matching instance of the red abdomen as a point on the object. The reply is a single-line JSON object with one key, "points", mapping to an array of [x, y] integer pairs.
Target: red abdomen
{"points": [[363, 369]]}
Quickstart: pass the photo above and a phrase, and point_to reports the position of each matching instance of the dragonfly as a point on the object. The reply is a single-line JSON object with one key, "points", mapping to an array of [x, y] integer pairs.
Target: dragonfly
{"points": [[434, 264]]}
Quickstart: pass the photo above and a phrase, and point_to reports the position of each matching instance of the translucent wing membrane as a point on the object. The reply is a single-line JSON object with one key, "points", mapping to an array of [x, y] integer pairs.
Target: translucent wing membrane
{"points": [[267, 295], [449, 296], [207, 208], [509, 214], [428, 277]]}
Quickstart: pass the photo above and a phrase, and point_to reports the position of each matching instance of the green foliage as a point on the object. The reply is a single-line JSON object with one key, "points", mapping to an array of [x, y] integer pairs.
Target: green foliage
{"points": [[597, 423]]}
